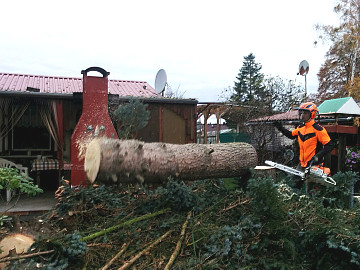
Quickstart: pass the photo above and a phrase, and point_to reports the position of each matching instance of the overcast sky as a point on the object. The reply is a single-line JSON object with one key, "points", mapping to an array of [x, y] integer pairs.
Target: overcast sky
{"points": [[200, 44]]}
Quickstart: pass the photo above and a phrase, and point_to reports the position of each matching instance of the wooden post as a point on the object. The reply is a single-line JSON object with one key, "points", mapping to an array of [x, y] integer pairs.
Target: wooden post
{"points": [[160, 124], [60, 126], [327, 162], [206, 115], [217, 125], [341, 153]]}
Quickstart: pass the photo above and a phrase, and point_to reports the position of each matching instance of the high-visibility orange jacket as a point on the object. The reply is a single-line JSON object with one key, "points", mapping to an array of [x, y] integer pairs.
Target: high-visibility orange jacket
{"points": [[313, 140]]}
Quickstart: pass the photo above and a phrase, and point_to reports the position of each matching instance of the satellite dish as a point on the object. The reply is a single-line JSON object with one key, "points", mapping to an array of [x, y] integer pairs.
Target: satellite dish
{"points": [[304, 68], [160, 81]]}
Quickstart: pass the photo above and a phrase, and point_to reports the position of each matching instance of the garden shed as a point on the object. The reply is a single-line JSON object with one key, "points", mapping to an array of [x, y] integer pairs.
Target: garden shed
{"points": [[341, 120], [38, 115]]}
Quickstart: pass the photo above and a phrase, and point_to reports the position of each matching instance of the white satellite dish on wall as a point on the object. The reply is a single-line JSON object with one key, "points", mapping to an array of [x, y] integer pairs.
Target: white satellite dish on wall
{"points": [[304, 68], [160, 81]]}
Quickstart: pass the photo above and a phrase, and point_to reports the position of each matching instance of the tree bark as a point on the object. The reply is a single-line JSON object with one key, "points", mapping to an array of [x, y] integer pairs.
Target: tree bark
{"points": [[110, 160]]}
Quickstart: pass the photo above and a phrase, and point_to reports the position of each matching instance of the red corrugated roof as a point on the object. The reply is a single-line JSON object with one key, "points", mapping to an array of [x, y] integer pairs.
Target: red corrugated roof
{"points": [[68, 85], [286, 116]]}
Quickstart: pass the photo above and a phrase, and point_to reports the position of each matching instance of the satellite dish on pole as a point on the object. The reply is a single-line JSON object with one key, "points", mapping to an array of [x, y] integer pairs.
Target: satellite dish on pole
{"points": [[303, 71], [160, 81], [304, 68]]}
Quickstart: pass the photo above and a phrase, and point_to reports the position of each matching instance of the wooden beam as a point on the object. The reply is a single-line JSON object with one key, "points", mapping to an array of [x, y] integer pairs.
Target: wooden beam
{"points": [[341, 129]]}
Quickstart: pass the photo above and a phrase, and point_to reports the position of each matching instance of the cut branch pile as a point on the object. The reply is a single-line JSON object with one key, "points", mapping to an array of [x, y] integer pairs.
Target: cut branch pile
{"points": [[204, 225]]}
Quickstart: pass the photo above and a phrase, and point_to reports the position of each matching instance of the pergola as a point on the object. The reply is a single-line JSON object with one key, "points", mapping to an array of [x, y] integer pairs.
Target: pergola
{"points": [[207, 109]]}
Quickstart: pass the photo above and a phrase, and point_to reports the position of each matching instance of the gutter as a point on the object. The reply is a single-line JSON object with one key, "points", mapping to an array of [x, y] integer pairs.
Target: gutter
{"points": [[112, 97], [36, 94], [156, 100]]}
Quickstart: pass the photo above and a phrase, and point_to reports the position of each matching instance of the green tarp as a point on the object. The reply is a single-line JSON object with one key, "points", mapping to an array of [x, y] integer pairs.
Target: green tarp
{"points": [[234, 137]]}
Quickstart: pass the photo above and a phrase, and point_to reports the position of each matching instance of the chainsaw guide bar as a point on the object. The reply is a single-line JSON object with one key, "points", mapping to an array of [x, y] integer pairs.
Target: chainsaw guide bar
{"points": [[318, 175]]}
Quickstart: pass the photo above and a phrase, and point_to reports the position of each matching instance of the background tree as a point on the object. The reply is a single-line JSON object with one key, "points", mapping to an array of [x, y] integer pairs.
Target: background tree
{"points": [[258, 95], [248, 92], [339, 75], [249, 88], [131, 117], [170, 93], [282, 95]]}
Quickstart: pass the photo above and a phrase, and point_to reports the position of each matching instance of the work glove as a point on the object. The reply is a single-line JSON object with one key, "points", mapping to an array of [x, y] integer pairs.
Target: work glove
{"points": [[278, 125], [312, 161]]}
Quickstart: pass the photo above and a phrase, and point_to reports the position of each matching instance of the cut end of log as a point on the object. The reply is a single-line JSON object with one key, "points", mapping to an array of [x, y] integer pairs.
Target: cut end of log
{"points": [[92, 160]]}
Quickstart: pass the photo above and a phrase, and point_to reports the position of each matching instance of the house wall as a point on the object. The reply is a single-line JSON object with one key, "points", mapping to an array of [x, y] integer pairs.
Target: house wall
{"points": [[170, 123], [281, 140], [151, 133], [179, 123], [173, 127]]}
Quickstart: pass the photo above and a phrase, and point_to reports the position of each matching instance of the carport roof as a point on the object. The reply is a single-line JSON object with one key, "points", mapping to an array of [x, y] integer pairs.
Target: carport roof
{"points": [[345, 105]]}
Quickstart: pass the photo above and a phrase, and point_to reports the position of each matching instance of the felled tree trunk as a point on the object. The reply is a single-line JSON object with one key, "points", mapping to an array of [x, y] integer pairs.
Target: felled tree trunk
{"points": [[111, 160]]}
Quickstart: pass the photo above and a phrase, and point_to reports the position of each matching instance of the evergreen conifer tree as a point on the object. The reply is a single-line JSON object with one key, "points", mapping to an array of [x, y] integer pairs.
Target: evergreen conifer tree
{"points": [[249, 88], [131, 117]]}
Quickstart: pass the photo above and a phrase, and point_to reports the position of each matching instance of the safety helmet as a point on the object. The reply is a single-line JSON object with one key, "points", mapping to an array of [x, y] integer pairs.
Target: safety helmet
{"points": [[310, 107]]}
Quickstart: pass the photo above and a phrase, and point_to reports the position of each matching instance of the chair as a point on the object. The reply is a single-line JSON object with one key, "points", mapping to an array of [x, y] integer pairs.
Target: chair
{"points": [[9, 164]]}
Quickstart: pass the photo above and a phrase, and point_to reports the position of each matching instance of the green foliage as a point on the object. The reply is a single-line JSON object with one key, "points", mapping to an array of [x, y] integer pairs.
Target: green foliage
{"points": [[68, 249], [86, 198], [336, 196], [329, 239], [271, 226], [335, 81], [249, 86], [132, 117], [73, 246], [352, 158], [296, 231], [232, 244], [248, 91], [266, 201], [11, 179], [258, 95], [176, 195]]}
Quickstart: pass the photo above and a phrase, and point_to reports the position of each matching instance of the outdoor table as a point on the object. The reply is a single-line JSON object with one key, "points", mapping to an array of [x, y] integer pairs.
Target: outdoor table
{"points": [[44, 165]]}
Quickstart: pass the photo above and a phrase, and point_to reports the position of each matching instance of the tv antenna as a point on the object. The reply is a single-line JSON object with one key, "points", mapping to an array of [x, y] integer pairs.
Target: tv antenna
{"points": [[303, 71], [160, 82]]}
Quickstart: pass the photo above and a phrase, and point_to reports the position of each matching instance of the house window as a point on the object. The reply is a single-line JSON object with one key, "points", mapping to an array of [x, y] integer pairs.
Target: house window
{"points": [[30, 133]]}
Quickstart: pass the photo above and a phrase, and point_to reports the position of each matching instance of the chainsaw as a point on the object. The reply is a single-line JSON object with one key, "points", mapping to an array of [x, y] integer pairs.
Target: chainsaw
{"points": [[318, 174]]}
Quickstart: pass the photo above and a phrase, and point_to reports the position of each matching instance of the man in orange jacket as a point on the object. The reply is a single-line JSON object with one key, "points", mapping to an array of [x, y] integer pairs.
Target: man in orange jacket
{"points": [[314, 141]]}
